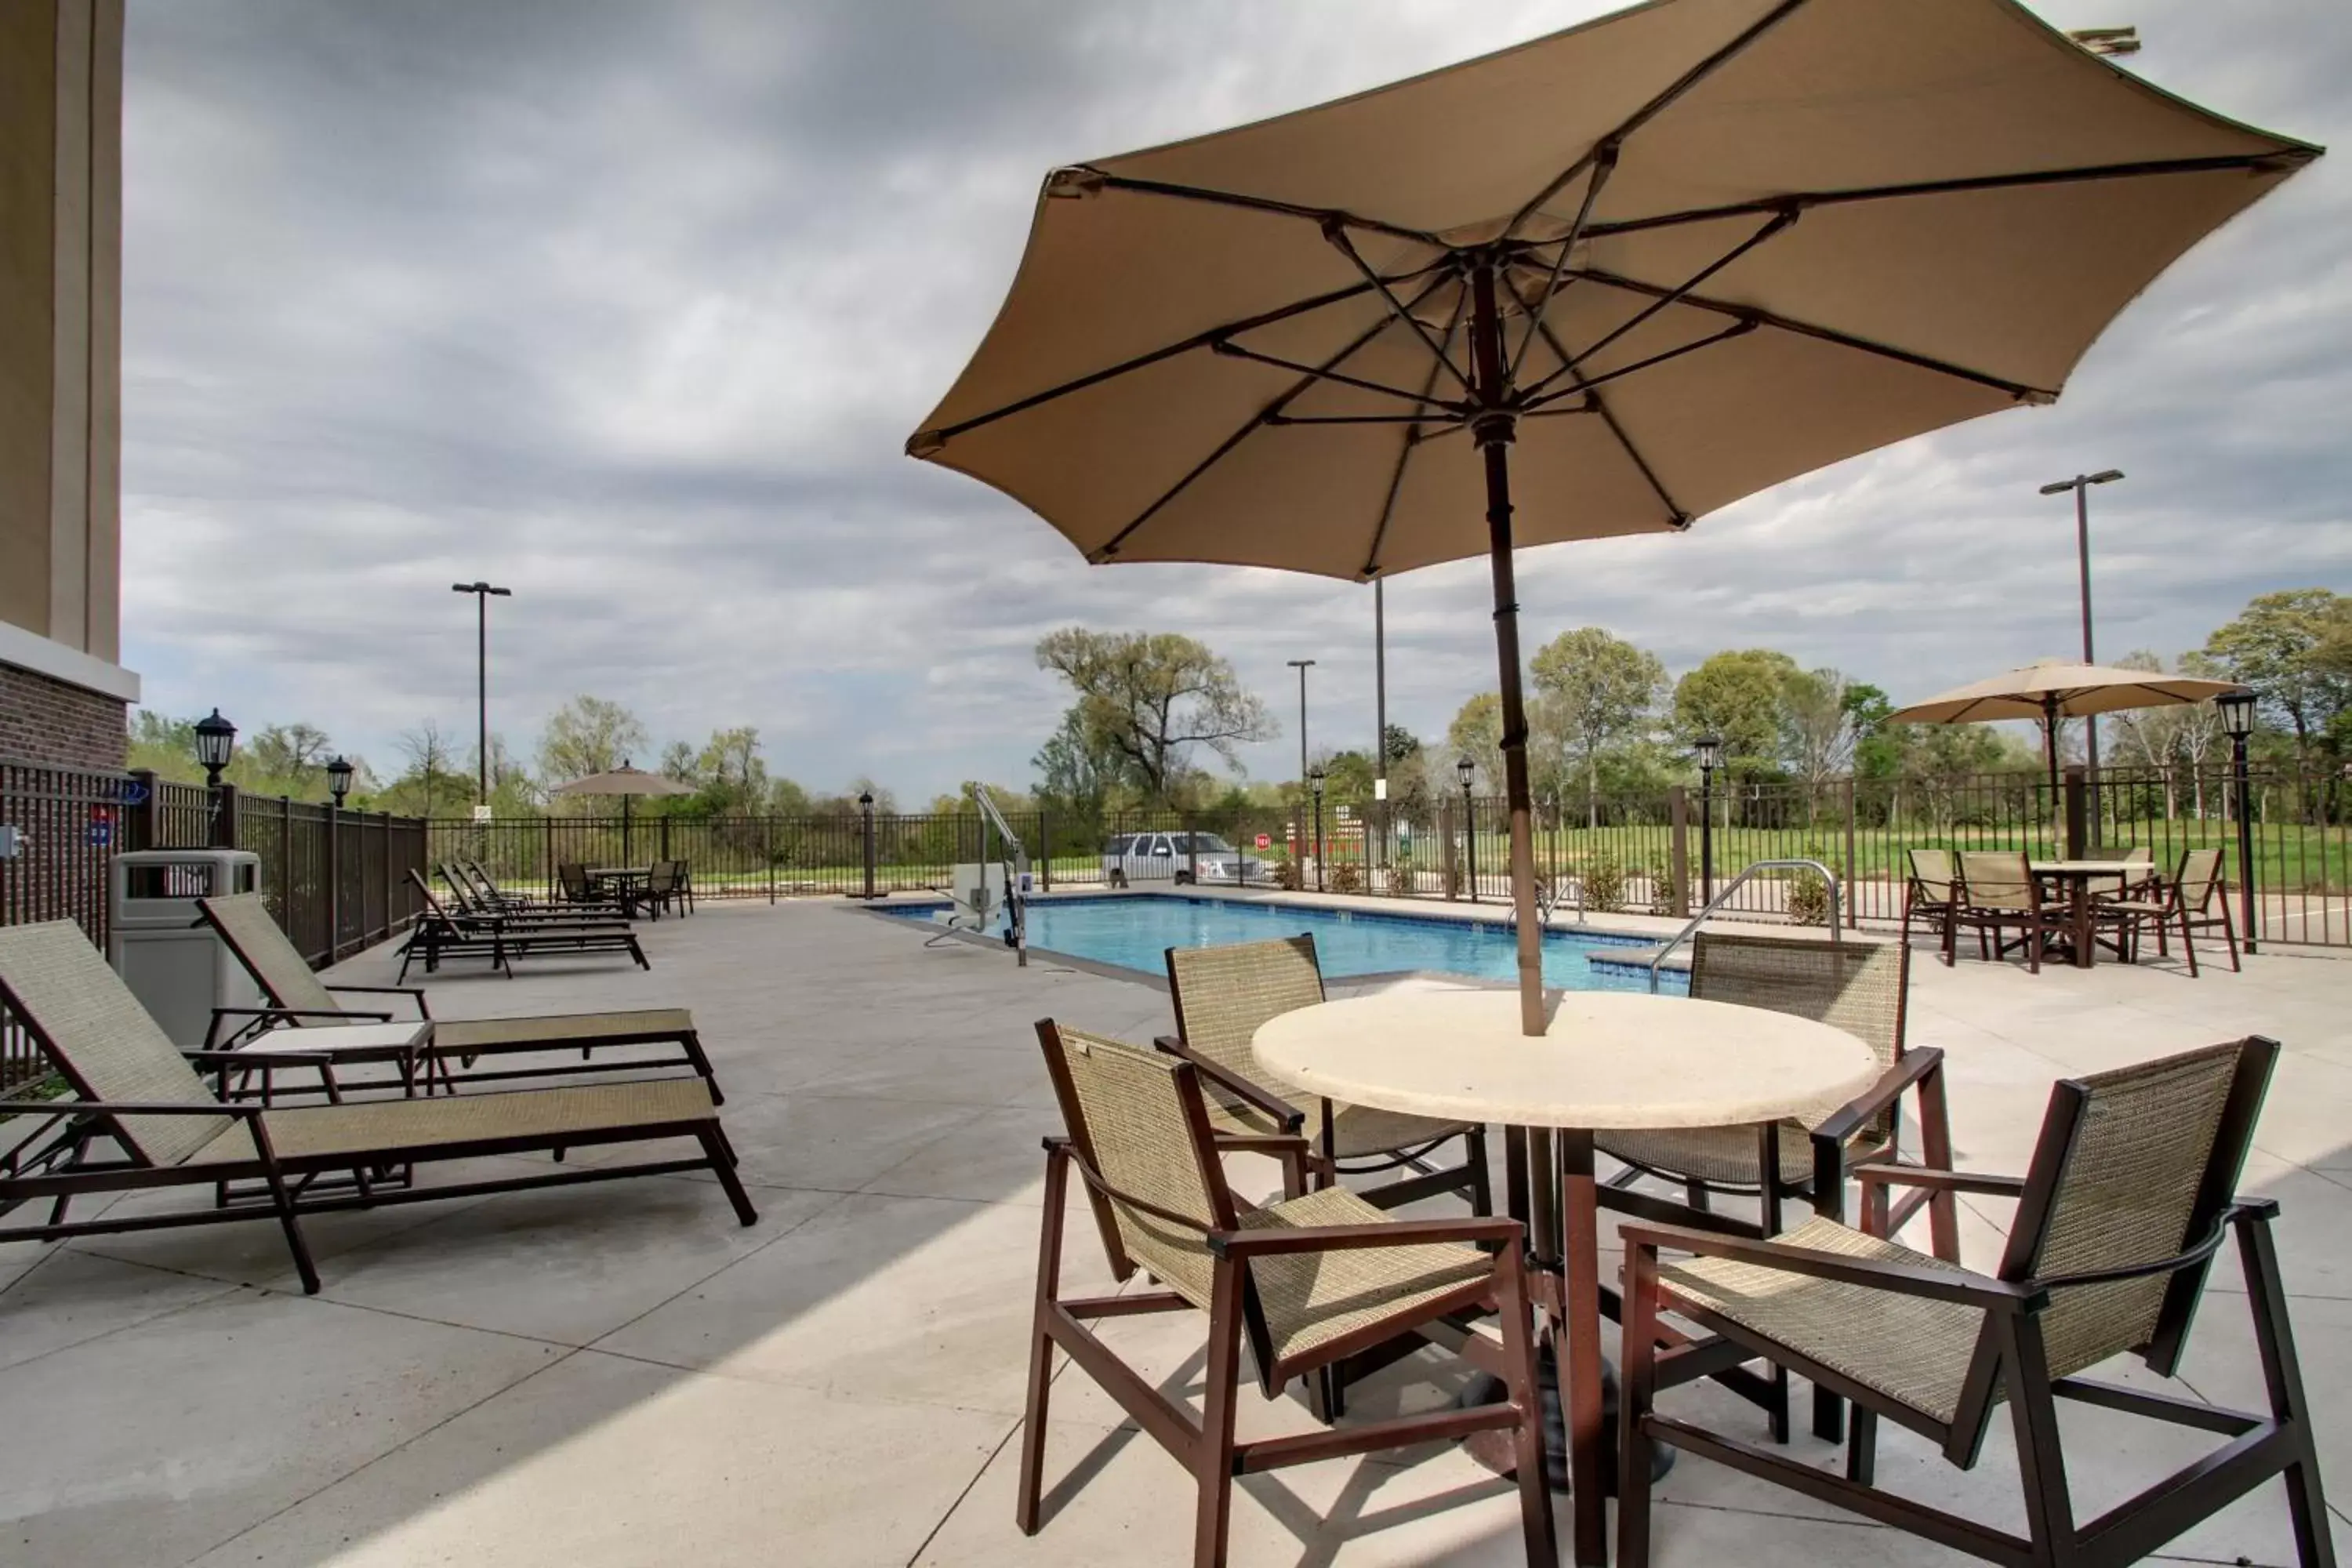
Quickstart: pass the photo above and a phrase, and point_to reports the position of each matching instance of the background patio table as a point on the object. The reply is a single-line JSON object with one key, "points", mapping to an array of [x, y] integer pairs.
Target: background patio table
{"points": [[2077, 875], [1606, 1060]]}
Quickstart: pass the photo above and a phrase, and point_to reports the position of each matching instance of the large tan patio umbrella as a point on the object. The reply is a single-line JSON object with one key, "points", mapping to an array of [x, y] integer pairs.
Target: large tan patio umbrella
{"points": [[1672, 258], [2049, 690], [628, 783]]}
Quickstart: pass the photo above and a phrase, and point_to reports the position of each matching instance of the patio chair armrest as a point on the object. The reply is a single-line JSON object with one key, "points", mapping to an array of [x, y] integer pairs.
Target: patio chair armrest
{"points": [[1871, 1170], [1965, 1288], [122, 1108], [1916, 1064], [299, 1013], [2196, 1252], [1270, 1243], [1263, 1143], [414, 993], [1291, 1118], [244, 1058]]}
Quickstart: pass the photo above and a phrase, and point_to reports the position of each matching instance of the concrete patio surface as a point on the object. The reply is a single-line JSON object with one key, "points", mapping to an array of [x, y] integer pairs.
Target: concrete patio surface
{"points": [[621, 1375]]}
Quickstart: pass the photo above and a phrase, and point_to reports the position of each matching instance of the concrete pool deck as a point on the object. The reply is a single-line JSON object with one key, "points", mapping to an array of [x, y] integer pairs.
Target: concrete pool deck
{"points": [[620, 1374]]}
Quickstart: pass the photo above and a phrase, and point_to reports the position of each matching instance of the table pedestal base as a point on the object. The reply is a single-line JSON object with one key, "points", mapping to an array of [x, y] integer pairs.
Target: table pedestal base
{"points": [[1493, 1449]]}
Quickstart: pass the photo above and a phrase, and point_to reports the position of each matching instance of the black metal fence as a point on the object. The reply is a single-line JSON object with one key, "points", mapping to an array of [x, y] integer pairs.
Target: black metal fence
{"points": [[1655, 853]]}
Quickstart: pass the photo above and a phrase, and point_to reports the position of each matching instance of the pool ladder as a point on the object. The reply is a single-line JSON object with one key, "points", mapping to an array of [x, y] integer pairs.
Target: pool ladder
{"points": [[1837, 925]]}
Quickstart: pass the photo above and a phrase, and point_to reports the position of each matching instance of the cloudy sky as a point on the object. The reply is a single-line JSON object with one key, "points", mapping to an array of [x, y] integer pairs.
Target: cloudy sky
{"points": [[631, 307]]}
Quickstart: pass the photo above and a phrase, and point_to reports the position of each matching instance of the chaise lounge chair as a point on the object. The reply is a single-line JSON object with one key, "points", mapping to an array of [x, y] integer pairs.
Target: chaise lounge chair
{"points": [[297, 998], [441, 933], [135, 1089]]}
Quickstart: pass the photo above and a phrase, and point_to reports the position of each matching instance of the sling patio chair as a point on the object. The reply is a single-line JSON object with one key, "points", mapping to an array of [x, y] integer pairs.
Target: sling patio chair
{"points": [[658, 892], [471, 897], [1861, 988], [135, 1089], [1303, 1282], [483, 891], [2140, 882], [441, 932], [2196, 899], [2128, 1196], [1999, 894], [299, 997], [1932, 897], [577, 893]]}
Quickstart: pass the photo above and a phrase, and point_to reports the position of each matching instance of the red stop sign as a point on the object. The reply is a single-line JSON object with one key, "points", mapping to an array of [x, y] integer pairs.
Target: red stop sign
{"points": [[1263, 842]]}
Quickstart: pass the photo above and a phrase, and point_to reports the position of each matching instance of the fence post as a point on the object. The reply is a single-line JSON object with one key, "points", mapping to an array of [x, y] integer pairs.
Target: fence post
{"points": [[1450, 869], [2076, 825], [223, 823], [286, 868], [1852, 915], [334, 883], [665, 837], [1044, 852], [383, 882], [867, 826], [142, 824], [768, 852], [1678, 848]]}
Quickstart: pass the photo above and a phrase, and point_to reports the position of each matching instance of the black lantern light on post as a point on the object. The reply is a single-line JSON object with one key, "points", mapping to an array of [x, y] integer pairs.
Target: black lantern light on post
{"points": [[1315, 783], [215, 741], [2238, 718], [1467, 770], [866, 823], [1710, 757], [339, 784]]}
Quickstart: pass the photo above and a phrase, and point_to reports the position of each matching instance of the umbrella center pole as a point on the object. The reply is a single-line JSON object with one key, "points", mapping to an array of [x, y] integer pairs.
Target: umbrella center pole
{"points": [[1493, 431]]}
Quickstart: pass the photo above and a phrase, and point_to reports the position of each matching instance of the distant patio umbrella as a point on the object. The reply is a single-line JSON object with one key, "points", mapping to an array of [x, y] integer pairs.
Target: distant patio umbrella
{"points": [[1676, 257], [2049, 690], [628, 783]]}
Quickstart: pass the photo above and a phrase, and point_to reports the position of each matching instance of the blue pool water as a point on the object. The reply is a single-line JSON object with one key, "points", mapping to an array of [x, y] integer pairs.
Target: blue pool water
{"points": [[1134, 932]]}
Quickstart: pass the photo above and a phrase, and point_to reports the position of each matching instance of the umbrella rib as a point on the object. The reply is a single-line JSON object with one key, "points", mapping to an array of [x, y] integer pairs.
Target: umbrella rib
{"points": [[1236, 351], [1339, 240], [1324, 216], [1739, 329], [1779, 221], [1677, 517], [1413, 440], [930, 441], [1111, 546], [2284, 157], [1605, 164], [1828, 334], [1655, 107]]}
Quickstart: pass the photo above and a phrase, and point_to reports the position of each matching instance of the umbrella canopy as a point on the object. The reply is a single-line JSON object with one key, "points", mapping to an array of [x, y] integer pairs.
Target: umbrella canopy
{"points": [[624, 780], [1673, 256]]}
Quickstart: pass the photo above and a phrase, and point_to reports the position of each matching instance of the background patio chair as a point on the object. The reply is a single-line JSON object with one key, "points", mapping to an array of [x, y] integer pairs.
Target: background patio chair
{"points": [[1931, 897], [1303, 1282], [1861, 988], [298, 997], [135, 1090], [580, 896], [2140, 880], [441, 932], [2129, 1197], [1999, 895], [2195, 900]]}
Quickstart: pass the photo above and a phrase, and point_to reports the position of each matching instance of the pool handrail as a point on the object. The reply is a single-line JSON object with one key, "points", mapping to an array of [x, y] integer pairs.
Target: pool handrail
{"points": [[1837, 925]]}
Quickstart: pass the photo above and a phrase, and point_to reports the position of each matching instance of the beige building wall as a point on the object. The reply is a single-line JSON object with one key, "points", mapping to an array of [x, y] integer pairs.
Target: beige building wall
{"points": [[61, 350]]}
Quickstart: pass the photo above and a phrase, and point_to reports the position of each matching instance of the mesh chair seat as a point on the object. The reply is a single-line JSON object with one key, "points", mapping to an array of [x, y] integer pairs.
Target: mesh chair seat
{"points": [[559, 1029], [1725, 1156], [1311, 1298], [309, 1132], [1915, 1352]]}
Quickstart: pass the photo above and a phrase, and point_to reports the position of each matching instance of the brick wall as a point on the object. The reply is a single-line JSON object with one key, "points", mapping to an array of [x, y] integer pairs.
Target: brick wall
{"points": [[46, 721]]}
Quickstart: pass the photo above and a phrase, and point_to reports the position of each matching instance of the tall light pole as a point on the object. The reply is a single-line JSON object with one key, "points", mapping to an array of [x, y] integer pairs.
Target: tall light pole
{"points": [[1710, 756], [2081, 485], [1379, 717], [482, 592], [1302, 666], [2238, 718]]}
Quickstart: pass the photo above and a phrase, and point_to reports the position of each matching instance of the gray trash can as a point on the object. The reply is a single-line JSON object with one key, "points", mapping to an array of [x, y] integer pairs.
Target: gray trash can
{"points": [[162, 947]]}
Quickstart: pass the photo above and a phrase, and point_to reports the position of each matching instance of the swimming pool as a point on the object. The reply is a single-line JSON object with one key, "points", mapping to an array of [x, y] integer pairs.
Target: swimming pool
{"points": [[1133, 931]]}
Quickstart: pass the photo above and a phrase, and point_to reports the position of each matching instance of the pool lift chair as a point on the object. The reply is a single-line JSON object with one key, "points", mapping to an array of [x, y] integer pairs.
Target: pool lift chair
{"points": [[979, 890]]}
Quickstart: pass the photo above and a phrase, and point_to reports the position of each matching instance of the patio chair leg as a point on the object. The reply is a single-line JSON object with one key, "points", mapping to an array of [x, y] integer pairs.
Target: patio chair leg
{"points": [[1213, 1458], [1527, 1448], [2229, 932], [1862, 1447], [722, 1165], [294, 1243], [2187, 943], [700, 1063], [1637, 1387], [2041, 1464], [2314, 1545], [1481, 1189], [1041, 1348]]}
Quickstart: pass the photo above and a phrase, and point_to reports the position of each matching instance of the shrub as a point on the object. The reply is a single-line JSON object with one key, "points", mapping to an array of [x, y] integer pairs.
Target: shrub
{"points": [[1604, 883], [1287, 875], [1809, 899], [1454, 879], [1665, 888], [1346, 876], [1402, 884]]}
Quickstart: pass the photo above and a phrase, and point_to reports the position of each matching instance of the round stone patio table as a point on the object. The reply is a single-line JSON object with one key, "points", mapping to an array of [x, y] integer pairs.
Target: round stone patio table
{"points": [[1606, 1061]]}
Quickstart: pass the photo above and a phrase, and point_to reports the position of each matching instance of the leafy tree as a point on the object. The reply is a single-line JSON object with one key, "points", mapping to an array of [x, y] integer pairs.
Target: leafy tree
{"points": [[588, 735], [2295, 649], [1476, 734], [430, 786], [1735, 696], [1400, 743], [1078, 769], [1595, 691], [1151, 698]]}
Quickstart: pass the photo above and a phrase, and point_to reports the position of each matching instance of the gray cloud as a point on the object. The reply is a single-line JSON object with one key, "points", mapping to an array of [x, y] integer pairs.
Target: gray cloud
{"points": [[631, 306]]}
